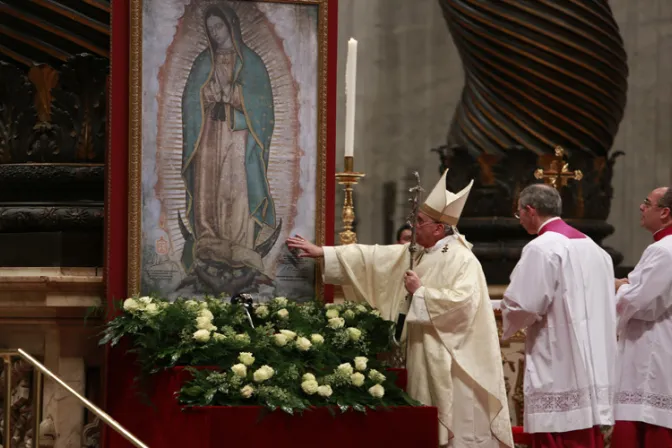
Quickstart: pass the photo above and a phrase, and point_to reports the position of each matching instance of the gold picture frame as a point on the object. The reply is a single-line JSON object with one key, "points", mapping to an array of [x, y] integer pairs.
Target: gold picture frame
{"points": [[323, 193]]}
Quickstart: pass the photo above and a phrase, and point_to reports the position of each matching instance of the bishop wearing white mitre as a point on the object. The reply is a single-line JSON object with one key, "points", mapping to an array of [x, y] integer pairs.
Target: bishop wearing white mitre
{"points": [[453, 354], [562, 290]]}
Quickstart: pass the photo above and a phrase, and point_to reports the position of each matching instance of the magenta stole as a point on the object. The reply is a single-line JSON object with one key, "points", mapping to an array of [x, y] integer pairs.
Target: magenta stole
{"points": [[561, 227]]}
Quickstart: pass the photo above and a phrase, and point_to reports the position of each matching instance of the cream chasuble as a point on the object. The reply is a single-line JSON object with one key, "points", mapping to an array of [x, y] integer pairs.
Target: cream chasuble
{"points": [[453, 355], [645, 339], [563, 290]]}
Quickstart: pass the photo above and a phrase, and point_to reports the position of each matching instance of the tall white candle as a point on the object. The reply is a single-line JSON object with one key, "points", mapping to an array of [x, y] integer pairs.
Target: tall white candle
{"points": [[350, 87]]}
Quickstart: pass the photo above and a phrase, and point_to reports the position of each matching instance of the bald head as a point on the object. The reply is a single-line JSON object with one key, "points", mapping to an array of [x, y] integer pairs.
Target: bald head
{"points": [[543, 198], [656, 210], [665, 200]]}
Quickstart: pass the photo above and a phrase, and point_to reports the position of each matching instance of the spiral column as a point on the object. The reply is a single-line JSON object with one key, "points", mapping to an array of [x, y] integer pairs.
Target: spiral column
{"points": [[538, 73]]}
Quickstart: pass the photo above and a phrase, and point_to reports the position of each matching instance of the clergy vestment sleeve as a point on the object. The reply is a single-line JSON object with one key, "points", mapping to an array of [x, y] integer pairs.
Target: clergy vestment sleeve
{"points": [[530, 291], [647, 296], [369, 273]]}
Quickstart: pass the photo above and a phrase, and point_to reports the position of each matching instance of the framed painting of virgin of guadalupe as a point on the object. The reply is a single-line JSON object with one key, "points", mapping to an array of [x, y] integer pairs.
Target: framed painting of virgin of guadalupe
{"points": [[229, 146]]}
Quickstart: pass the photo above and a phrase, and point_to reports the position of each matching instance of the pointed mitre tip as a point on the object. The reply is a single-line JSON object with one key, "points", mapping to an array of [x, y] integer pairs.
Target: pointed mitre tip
{"points": [[443, 205]]}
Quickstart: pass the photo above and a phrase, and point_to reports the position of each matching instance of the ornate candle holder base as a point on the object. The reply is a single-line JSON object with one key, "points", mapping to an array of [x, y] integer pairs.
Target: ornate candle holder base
{"points": [[348, 179]]}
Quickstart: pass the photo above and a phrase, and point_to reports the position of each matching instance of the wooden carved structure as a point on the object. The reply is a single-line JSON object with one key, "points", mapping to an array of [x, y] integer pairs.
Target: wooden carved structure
{"points": [[537, 75], [53, 108]]}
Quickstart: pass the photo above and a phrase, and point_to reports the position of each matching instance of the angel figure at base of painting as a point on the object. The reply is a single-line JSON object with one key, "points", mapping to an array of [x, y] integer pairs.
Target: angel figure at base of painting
{"points": [[228, 121]]}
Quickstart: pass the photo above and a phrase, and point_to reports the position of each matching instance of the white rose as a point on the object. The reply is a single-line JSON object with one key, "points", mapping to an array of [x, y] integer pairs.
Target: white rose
{"points": [[280, 339], [290, 334], [203, 305], [242, 337], [246, 358], [145, 300], [204, 323], [263, 373], [202, 335], [239, 370], [262, 311], [309, 386], [336, 322], [247, 391], [375, 313], [303, 344], [316, 339], [361, 309], [282, 301], [376, 376], [191, 304], [131, 305], [219, 337], [345, 369], [206, 314], [354, 333], [330, 306], [283, 314], [360, 363], [349, 314], [357, 379], [308, 377], [377, 391], [324, 391], [332, 313]]}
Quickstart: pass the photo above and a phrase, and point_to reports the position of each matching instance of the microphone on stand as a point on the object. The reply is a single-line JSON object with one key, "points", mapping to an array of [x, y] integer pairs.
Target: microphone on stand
{"points": [[247, 302]]}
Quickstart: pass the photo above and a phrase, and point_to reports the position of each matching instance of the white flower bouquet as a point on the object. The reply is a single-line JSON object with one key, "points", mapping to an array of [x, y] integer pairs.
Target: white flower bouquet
{"points": [[297, 355]]}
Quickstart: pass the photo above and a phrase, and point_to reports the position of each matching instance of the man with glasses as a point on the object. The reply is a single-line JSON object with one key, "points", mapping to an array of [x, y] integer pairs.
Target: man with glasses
{"points": [[452, 350], [562, 291], [643, 402]]}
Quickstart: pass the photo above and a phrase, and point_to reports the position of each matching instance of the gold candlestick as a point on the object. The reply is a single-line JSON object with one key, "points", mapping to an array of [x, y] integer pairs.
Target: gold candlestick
{"points": [[348, 178]]}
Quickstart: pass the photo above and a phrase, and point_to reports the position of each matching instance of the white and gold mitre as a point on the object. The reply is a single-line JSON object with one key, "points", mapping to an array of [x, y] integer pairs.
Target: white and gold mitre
{"points": [[444, 206]]}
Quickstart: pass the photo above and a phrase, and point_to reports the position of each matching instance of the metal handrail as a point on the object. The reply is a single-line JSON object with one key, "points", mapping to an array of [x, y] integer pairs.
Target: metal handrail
{"points": [[37, 400]]}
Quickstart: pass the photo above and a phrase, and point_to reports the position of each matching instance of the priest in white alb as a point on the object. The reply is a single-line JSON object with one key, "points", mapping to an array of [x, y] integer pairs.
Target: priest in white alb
{"points": [[562, 291], [643, 402], [452, 347]]}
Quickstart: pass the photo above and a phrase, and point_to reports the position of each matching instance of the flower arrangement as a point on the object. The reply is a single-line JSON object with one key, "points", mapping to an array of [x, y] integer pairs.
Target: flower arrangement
{"points": [[280, 354]]}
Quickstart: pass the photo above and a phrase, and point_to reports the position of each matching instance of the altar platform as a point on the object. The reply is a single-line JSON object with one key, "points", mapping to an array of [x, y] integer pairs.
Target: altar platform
{"points": [[166, 424]]}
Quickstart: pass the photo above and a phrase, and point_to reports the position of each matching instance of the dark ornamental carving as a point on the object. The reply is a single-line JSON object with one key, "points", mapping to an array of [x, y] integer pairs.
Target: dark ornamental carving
{"points": [[48, 219], [17, 112], [51, 116], [21, 416], [538, 74], [52, 150], [28, 184], [80, 108], [487, 219]]}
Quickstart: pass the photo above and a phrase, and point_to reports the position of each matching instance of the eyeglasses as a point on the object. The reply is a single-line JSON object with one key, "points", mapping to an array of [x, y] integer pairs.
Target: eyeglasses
{"points": [[422, 224], [517, 214], [648, 204]]}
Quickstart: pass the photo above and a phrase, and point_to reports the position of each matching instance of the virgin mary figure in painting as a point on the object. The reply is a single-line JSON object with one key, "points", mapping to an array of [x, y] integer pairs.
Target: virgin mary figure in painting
{"points": [[228, 121]]}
